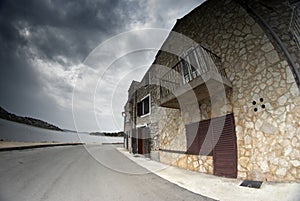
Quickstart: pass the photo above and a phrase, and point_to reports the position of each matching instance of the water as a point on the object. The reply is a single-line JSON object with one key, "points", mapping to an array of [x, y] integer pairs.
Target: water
{"points": [[12, 131]]}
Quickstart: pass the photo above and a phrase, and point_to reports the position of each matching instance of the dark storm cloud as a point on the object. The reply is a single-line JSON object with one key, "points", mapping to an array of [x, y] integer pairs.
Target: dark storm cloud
{"points": [[49, 30], [57, 27], [43, 43]]}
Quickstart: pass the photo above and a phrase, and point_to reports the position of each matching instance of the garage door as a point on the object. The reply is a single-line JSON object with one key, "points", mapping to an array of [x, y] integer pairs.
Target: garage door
{"points": [[201, 136]]}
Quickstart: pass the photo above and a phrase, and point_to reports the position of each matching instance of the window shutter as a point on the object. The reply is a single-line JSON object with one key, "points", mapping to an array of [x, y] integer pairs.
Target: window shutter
{"points": [[192, 138], [199, 138], [205, 133]]}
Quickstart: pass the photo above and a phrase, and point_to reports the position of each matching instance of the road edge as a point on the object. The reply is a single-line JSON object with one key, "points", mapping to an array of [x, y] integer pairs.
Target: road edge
{"points": [[39, 146]]}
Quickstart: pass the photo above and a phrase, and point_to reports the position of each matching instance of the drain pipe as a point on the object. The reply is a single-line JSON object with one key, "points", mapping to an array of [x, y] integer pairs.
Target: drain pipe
{"points": [[277, 39]]}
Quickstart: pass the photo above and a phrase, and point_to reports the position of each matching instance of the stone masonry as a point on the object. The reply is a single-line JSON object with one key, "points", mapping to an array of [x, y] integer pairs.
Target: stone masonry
{"points": [[264, 98]]}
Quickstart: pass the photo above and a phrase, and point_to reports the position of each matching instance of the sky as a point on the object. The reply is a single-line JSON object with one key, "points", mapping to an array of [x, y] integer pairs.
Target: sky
{"points": [[70, 62]]}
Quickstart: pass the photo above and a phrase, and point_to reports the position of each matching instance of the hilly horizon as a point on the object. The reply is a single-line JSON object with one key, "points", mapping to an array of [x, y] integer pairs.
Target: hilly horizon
{"points": [[4, 114]]}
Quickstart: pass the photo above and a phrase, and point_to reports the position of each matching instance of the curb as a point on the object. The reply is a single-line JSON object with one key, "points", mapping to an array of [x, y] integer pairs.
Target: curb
{"points": [[228, 189], [38, 146]]}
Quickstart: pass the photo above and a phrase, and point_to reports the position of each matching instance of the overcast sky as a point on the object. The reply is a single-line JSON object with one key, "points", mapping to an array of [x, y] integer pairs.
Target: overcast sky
{"points": [[66, 60]]}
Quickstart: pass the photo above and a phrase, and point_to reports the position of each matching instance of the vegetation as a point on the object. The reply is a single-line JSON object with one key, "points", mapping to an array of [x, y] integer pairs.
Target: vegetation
{"points": [[115, 134], [27, 120]]}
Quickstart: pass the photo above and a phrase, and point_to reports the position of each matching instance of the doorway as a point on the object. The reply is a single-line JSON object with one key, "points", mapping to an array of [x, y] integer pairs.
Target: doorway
{"points": [[225, 150], [144, 140]]}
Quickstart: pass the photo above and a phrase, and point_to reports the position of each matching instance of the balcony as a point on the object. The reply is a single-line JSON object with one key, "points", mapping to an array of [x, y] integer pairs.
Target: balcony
{"points": [[198, 75], [295, 25]]}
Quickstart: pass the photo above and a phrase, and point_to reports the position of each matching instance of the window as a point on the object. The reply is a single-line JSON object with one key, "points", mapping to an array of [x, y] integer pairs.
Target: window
{"points": [[147, 79], [184, 69], [189, 65], [143, 107], [192, 57]]}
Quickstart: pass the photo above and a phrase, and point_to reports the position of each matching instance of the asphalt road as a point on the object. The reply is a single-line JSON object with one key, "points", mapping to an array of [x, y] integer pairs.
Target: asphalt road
{"points": [[77, 173]]}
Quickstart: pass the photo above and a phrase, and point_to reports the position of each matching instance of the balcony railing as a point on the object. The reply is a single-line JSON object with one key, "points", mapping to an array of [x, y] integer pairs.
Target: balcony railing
{"points": [[197, 62], [295, 25]]}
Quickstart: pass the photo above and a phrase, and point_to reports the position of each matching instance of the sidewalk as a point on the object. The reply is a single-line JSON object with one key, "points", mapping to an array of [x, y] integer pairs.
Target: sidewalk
{"points": [[218, 188], [7, 146]]}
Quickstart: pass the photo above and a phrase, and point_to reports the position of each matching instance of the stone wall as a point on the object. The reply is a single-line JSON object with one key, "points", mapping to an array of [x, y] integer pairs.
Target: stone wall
{"points": [[191, 162], [127, 124], [268, 139], [280, 25], [149, 86], [264, 97], [171, 129], [130, 112]]}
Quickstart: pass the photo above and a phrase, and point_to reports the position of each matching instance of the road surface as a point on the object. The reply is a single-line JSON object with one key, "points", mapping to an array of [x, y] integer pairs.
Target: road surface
{"points": [[78, 173]]}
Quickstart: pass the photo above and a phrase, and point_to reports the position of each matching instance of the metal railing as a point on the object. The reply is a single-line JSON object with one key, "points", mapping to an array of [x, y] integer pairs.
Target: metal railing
{"points": [[196, 62], [295, 25]]}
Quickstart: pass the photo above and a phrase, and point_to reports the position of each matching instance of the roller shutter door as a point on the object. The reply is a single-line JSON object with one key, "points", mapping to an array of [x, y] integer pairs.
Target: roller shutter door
{"points": [[202, 136], [225, 150]]}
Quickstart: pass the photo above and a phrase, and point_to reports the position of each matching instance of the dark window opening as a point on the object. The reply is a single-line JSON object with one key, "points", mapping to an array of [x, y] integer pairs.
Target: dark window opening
{"points": [[185, 71], [146, 105], [143, 107], [189, 61], [193, 62], [139, 109], [147, 79]]}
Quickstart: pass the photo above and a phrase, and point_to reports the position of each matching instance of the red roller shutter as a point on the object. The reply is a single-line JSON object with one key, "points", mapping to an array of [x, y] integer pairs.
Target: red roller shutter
{"points": [[201, 136], [225, 150], [198, 137]]}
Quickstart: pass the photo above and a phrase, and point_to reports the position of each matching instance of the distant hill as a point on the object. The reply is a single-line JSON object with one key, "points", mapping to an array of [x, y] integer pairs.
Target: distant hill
{"points": [[116, 134], [27, 120], [71, 131]]}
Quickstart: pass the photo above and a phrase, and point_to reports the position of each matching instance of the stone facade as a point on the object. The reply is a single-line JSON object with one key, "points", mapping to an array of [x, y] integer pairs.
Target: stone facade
{"points": [[264, 97], [129, 116], [138, 90]]}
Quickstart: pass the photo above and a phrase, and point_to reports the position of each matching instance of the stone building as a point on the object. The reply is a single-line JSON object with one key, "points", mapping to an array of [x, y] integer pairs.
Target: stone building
{"points": [[222, 95]]}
